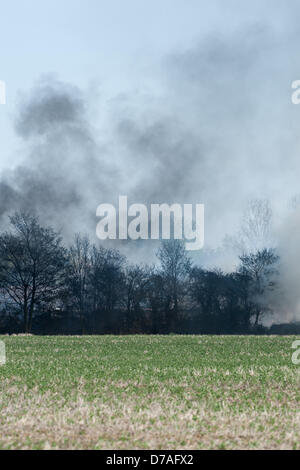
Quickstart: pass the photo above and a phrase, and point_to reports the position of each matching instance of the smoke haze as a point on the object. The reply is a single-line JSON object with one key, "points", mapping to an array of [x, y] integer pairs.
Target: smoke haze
{"points": [[221, 132]]}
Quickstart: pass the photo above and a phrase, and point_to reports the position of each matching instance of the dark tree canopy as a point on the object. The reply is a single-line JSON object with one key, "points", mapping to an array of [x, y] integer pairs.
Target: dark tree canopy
{"points": [[31, 264], [87, 288]]}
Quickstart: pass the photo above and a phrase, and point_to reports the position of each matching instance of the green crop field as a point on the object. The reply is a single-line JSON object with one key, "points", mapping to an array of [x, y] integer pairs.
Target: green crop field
{"points": [[149, 392]]}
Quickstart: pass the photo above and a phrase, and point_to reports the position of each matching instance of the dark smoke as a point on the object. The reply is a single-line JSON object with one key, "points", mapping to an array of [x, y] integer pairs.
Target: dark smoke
{"points": [[223, 132], [64, 169]]}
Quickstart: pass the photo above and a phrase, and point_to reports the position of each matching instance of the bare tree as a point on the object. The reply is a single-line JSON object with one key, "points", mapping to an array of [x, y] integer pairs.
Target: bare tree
{"points": [[175, 265], [111, 279], [206, 289], [256, 225], [79, 266], [136, 283], [261, 269], [106, 281], [31, 264]]}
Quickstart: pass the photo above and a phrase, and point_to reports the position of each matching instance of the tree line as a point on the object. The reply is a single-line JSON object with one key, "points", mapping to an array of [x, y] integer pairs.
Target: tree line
{"points": [[47, 287]]}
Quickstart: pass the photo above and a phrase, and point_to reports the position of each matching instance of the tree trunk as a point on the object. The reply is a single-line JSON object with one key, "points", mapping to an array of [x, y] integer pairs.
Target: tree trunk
{"points": [[30, 318], [25, 314], [257, 316], [31, 307]]}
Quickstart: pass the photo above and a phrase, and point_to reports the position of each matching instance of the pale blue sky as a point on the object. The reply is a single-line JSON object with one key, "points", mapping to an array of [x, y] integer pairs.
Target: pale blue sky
{"points": [[114, 43], [204, 84]]}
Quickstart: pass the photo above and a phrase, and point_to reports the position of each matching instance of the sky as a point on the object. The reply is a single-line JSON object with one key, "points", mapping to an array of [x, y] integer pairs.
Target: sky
{"points": [[114, 45], [183, 101]]}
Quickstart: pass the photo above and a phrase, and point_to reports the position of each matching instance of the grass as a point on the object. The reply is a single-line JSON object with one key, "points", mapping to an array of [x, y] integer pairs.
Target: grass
{"points": [[149, 392]]}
